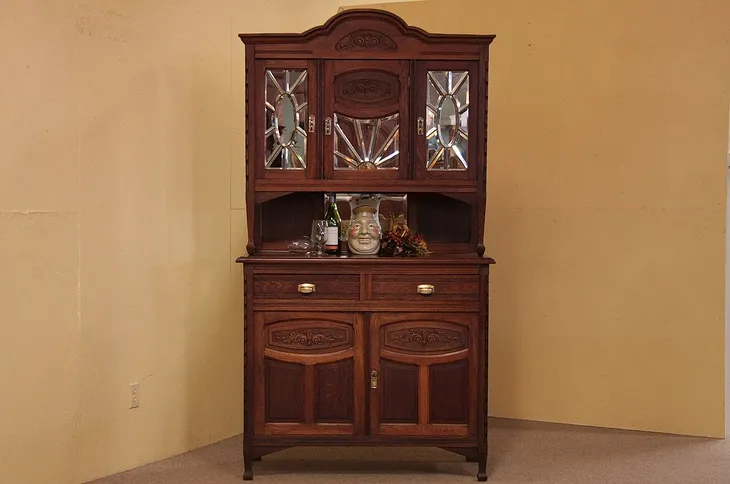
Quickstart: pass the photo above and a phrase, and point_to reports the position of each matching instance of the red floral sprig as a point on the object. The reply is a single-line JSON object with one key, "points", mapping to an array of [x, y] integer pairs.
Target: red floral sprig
{"points": [[400, 240]]}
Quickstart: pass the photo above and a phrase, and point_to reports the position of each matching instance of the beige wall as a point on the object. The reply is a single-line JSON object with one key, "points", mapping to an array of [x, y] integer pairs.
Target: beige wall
{"points": [[121, 210], [727, 289]]}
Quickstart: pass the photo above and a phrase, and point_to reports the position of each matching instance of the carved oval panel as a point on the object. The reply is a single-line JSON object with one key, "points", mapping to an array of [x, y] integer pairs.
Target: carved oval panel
{"points": [[309, 338], [369, 87], [366, 40], [425, 339]]}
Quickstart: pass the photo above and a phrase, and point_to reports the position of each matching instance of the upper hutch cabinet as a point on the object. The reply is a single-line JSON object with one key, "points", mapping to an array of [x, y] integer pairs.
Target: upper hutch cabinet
{"points": [[366, 104], [365, 349]]}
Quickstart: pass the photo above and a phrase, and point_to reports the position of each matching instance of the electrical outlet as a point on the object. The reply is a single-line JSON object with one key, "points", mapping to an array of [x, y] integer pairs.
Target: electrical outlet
{"points": [[134, 395]]}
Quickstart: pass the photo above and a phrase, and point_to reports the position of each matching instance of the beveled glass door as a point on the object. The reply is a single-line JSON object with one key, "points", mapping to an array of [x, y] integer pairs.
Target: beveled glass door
{"points": [[446, 126], [365, 119], [287, 117]]}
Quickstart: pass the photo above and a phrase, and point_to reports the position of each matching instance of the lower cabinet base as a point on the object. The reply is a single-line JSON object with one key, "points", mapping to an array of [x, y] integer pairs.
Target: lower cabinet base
{"points": [[366, 359], [471, 453]]}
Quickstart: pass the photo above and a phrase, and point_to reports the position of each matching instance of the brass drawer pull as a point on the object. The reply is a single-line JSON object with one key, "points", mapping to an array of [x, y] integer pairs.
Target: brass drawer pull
{"points": [[426, 289], [305, 288]]}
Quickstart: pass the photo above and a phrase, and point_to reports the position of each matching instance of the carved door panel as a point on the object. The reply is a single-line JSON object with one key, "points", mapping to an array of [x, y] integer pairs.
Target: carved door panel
{"points": [[366, 119], [309, 373], [447, 126], [423, 374], [286, 116]]}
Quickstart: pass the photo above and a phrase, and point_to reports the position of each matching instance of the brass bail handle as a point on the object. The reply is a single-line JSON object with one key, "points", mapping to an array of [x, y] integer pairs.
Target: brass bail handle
{"points": [[425, 289], [306, 288]]}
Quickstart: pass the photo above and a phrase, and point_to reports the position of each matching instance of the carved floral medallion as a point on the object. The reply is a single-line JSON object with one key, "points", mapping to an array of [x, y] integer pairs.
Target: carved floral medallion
{"points": [[309, 338], [428, 339], [365, 40], [367, 86]]}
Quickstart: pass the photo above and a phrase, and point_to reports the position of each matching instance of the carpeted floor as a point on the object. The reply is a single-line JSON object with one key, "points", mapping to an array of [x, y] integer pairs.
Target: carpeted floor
{"points": [[520, 452]]}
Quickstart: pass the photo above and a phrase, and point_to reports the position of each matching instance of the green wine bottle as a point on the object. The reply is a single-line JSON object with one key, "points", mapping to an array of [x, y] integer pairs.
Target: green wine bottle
{"points": [[333, 219]]}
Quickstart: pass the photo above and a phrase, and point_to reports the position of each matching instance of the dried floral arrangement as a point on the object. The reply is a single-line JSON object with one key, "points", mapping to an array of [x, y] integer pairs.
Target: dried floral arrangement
{"points": [[399, 240]]}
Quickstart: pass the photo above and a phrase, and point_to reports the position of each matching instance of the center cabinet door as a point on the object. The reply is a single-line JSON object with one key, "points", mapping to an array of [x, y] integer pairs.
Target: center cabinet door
{"points": [[309, 373], [423, 379], [366, 119]]}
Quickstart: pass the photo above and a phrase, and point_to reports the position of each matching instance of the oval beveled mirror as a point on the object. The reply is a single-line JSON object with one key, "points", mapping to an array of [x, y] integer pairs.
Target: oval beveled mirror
{"points": [[286, 120], [447, 120]]}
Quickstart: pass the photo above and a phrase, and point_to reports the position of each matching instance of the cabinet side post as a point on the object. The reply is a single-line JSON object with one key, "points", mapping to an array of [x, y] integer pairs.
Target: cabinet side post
{"points": [[483, 80], [248, 371], [483, 376], [250, 120]]}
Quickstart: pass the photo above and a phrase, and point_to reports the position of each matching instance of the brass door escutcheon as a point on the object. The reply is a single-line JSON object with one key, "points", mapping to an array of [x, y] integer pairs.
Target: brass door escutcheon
{"points": [[373, 379]]}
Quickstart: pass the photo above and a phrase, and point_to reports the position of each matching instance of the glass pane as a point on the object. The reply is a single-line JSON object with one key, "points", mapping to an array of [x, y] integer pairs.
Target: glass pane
{"points": [[390, 204], [366, 143], [286, 117], [447, 120]]}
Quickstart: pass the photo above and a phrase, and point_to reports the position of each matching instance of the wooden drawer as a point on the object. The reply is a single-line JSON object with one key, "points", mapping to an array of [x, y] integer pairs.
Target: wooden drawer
{"points": [[410, 287], [287, 286]]}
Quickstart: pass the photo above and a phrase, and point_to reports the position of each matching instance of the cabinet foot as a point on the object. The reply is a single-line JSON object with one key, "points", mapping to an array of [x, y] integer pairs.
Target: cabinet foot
{"points": [[482, 472], [248, 458]]}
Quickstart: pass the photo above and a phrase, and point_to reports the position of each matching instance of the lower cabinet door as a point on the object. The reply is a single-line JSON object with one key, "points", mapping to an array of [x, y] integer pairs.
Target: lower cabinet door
{"points": [[309, 373], [423, 374]]}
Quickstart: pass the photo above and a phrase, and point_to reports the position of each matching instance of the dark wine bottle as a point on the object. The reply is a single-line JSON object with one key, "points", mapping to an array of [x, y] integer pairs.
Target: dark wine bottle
{"points": [[333, 219]]}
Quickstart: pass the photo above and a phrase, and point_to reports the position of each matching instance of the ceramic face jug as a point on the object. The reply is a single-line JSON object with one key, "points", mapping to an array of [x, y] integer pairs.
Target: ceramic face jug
{"points": [[363, 235]]}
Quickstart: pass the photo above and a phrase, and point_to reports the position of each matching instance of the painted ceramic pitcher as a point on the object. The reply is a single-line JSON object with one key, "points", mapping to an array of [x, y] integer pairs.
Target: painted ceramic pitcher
{"points": [[363, 235]]}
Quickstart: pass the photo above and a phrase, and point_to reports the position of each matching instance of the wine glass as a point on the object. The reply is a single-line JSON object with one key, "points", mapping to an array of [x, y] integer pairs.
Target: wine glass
{"points": [[318, 236]]}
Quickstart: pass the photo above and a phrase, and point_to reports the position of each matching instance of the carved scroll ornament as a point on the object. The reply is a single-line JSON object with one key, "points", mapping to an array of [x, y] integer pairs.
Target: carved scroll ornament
{"points": [[425, 339], [371, 87], [309, 338], [366, 40]]}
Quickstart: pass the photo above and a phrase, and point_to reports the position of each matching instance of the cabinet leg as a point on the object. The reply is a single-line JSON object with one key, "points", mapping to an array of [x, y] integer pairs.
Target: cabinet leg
{"points": [[247, 471], [248, 458], [481, 456]]}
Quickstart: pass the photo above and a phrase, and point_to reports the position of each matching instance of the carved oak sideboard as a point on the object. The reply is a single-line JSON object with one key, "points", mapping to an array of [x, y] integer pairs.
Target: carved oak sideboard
{"points": [[358, 350]]}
